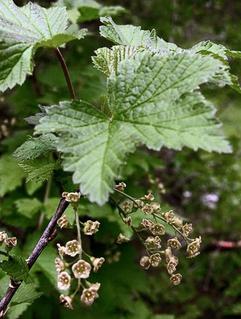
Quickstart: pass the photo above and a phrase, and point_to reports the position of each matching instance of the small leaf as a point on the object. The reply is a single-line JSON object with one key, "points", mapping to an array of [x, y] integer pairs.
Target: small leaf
{"points": [[16, 310], [11, 175], [35, 147], [16, 267], [28, 207], [46, 264], [39, 170]]}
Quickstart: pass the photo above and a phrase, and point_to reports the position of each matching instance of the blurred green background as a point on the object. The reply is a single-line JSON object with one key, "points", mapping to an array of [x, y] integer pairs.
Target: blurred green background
{"points": [[204, 188]]}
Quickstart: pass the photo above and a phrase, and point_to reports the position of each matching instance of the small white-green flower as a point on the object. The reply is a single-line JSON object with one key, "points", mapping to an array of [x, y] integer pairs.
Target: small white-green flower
{"points": [[59, 264], [91, 227], [72, 248], [97, 263], [89, 295], [176, 279], [174, 243], [3, 236], [81, 269], [11, 241], [66, 301], [64, 280], [155, 260], [193, 249]]}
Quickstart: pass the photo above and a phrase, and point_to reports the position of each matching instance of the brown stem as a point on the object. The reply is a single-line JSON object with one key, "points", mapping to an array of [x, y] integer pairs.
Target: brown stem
{"points": [[66, 73], [41, 244]]}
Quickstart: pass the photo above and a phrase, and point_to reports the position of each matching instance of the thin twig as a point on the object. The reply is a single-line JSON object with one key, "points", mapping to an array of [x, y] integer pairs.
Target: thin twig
{"points": [[66, 73], [41, 244]]}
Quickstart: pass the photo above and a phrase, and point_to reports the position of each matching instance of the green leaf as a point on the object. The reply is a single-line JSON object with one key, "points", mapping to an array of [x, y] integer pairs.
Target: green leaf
{"points": [[39, 170], [46, 264], [22, 31], [107, 60], [133, 36], [35, 147], [51, 205], [23, 298], [26, 293], [153, 100], [16, 267], [95, 146], [89, 9], [28, 207], [17, 310], [129, 35], [11, 175], [32, 186]]}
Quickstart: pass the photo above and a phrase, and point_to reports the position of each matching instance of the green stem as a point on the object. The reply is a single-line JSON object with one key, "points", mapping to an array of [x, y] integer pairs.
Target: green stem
{"points": [[127, 196], [121, 212], [174, 227], [78, 231], [154, 215]]}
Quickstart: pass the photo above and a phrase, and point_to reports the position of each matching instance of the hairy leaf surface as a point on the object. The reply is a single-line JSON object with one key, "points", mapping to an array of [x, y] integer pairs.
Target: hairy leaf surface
{"points": [[152, 100]]}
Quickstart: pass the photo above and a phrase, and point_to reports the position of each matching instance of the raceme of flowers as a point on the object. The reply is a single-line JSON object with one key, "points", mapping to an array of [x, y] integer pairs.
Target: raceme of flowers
{"points": [[73, 265], [152, 230]]}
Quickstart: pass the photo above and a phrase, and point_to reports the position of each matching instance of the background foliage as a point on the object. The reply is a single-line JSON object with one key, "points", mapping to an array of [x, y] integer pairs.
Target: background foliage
{"points": [[200, 186]]}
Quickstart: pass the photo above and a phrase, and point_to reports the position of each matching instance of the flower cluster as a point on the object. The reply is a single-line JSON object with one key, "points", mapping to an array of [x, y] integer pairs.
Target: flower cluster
{"points": [[154, 232], [74, 267]]}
